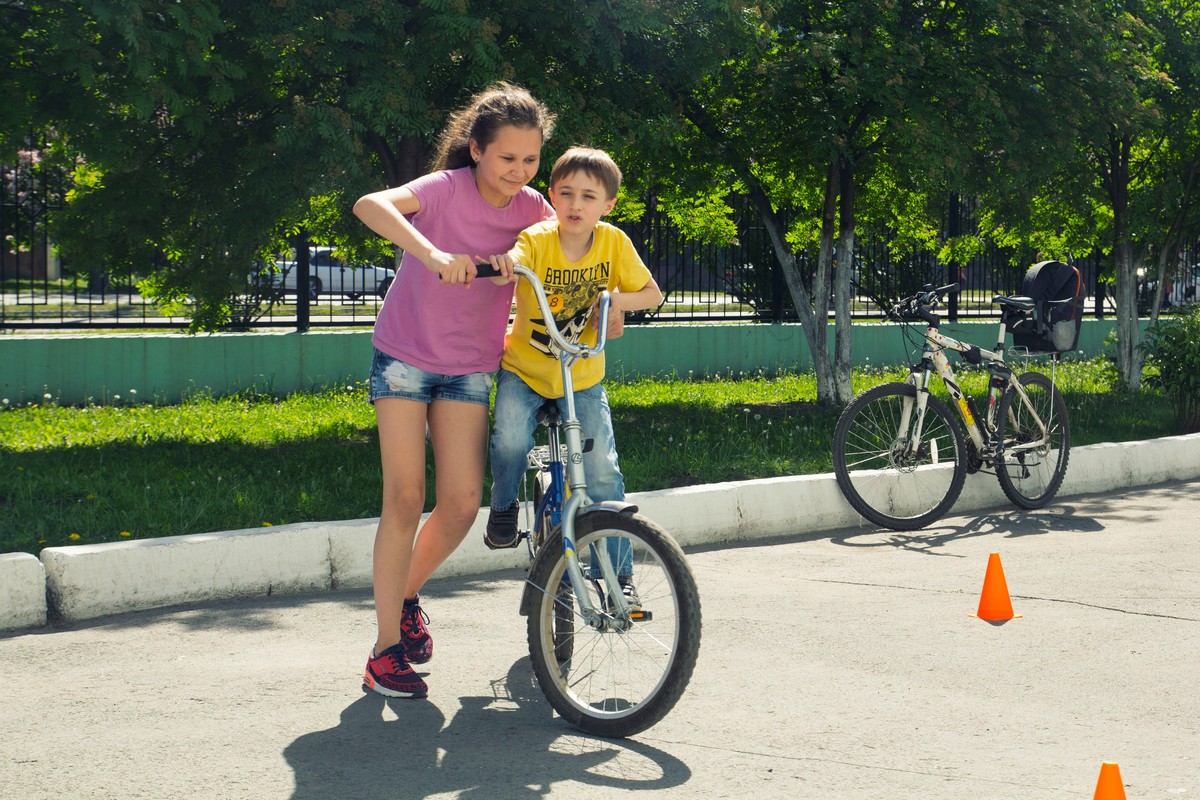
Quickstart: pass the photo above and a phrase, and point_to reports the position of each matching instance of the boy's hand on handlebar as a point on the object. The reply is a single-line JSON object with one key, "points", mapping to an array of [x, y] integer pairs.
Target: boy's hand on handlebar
{"points": [[503, 266]]}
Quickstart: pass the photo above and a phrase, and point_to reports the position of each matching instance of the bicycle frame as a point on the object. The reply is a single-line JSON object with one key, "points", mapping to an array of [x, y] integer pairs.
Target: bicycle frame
{"points": [[576, 485], [934, 361]]}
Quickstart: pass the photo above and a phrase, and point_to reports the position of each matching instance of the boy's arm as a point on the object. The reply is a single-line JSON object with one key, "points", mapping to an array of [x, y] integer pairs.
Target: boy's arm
{"points": [[649, 296]]}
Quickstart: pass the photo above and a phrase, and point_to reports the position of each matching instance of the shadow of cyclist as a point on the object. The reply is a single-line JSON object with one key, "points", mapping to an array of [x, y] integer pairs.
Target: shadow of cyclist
{"points": [[505, 746]]}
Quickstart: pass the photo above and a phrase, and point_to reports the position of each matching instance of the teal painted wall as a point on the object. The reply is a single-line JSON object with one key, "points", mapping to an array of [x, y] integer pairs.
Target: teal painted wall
{"points": [[78, 368]]}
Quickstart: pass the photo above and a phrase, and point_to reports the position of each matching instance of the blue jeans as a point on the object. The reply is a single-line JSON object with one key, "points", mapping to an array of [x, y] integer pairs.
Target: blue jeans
{"points": [[512, 439]]}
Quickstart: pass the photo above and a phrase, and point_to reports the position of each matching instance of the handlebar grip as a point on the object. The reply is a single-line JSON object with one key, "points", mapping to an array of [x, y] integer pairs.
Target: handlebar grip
{"points": [[486, 270]]}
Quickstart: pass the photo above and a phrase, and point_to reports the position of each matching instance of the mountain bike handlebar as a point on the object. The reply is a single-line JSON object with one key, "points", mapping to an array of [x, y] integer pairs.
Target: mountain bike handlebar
{"points": [[921, 304]]}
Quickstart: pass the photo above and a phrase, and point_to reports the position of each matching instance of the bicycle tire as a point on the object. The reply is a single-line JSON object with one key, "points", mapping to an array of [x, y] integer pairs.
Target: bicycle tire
{"points": [[1032, 481], [890, 489], [616, 683]]}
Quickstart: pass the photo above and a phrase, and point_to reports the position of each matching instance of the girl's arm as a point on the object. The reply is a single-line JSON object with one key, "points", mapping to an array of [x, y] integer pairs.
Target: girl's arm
{"points": [[383, 212]]}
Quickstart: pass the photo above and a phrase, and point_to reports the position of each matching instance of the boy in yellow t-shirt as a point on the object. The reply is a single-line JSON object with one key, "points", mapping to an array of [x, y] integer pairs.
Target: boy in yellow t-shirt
{"points": [[576, 256]]}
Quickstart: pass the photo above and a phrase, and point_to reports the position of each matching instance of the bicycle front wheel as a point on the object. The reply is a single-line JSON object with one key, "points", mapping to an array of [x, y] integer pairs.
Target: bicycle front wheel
{"points": [[888, 477], [624, 677], [1031, 476]]}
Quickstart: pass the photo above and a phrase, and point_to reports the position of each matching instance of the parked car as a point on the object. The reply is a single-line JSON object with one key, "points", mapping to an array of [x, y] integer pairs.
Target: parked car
{"points": [[328, 274]]}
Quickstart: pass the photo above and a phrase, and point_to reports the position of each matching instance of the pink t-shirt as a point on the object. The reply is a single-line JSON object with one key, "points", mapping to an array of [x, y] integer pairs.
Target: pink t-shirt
{"points": [[448, 329]]}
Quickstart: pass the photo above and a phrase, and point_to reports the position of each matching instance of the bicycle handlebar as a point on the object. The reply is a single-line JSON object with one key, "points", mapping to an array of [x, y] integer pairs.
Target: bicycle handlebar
{"points": [[539, 292], [920, 305]]}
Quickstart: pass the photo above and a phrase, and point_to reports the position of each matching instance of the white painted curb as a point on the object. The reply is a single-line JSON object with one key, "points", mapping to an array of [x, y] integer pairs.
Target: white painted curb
{"points": [[22, 591], [95, 580]]}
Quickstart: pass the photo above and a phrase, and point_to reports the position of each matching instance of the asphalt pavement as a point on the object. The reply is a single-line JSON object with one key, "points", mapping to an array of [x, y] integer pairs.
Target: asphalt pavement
{"points": [[841, 664]]}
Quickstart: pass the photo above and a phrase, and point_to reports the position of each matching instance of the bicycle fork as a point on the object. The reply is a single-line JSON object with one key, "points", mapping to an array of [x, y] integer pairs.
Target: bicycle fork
{"points": [[574, 505]]}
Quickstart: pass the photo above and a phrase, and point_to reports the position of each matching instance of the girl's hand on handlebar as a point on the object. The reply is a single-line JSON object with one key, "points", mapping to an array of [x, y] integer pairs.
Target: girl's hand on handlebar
{"points": [[452, 268]]}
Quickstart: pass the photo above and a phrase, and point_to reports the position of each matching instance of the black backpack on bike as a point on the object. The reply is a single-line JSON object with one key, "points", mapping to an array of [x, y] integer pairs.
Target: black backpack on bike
{"points": [[1053, 324]]}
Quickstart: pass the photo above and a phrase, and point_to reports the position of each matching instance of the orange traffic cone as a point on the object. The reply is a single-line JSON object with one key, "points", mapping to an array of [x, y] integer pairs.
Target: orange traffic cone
{"points": [[994, 603], [1109, 786]]}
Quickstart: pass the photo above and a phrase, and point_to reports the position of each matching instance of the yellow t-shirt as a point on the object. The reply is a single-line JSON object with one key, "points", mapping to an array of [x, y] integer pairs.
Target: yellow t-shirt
{"points": [[571, 287]]}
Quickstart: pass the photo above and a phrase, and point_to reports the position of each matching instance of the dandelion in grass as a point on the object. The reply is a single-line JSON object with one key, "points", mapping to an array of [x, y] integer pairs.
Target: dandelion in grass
{"points": [[74, 537], [124, 534], [268, 525], [91, 497]]}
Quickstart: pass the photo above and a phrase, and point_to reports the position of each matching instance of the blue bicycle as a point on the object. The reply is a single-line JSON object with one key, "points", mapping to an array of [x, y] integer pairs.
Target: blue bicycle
{"points": [[612, 605]]}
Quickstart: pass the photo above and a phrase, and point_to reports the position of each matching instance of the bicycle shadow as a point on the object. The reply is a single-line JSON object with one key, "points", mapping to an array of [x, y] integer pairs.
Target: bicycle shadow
{"points": [[507, 746], [1013, 524]]}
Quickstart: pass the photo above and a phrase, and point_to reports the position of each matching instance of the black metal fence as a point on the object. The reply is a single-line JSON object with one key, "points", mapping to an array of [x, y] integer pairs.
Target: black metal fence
{"points": [[701, 281]]}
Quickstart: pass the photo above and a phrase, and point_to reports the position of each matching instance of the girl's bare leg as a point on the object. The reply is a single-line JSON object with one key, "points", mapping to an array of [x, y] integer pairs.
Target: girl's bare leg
{"points": [[402, 451], [459, 433]]}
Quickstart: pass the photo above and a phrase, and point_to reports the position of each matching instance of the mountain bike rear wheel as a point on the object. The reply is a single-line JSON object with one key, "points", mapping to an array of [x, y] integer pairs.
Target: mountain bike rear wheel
{"points": [[881, 475], [626, 677], [1030, 478]]}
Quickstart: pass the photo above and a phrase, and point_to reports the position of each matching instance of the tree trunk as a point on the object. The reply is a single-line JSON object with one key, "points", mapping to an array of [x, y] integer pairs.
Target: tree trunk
{"points": [[842, 294], [1129, 361], [814, 325], [1129, 364]]}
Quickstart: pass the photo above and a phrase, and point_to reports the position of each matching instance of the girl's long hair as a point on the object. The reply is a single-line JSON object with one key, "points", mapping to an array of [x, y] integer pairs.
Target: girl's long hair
{"points": [[498, 105]]}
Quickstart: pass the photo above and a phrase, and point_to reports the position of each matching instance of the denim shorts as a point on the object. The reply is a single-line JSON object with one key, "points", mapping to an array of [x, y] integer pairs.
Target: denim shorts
{"points": [[391, 377]]}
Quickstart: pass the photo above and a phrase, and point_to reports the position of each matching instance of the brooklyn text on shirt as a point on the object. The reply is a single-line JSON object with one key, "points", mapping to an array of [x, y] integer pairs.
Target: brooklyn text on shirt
{"points": [[565, 277]]}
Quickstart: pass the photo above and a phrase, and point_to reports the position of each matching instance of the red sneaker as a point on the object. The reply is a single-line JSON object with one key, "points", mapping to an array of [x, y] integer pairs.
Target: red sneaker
{"points": [[389, 674], [418, 644]]}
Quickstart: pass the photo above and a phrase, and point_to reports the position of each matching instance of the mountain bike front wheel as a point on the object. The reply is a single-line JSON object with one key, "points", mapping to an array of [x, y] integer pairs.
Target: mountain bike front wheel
{"points": [[888, 478], [1030, 477], [623, 678]]}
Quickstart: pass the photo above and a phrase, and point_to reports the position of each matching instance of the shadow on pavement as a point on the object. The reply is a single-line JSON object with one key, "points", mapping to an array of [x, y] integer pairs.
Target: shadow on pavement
{"points": [[507, 746], [1057, 519]]}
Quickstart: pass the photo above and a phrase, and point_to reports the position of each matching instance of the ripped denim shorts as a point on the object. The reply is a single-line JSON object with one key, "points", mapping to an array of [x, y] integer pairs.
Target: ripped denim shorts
{"points": [[391, 377]]}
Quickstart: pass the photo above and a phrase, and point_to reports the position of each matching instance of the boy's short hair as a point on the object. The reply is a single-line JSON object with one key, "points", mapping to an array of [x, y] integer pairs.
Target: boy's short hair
{"points": [[595, 163]]}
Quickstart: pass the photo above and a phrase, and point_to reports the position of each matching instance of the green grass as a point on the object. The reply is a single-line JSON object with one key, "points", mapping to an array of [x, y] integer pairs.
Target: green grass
{"points": [[139, 470]]}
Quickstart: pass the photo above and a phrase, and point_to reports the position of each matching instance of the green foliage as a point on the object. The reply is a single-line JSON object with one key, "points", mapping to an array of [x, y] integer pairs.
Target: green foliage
{"points": [[1172, 350], [199, 130]]}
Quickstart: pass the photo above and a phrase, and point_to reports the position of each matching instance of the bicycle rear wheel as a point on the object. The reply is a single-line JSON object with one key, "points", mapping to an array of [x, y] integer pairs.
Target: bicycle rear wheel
{"points": [[885, 480], [624, 678], [1030, 478]]}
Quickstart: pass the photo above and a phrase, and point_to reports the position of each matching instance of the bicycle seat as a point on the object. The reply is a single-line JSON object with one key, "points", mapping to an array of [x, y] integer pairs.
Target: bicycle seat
{"points": [[1023, 303], [548, 414]]}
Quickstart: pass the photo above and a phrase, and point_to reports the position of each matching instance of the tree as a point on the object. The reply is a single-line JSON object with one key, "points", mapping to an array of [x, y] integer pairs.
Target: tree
{"points": [[1130, 185], [827, 111], [203, 127]]}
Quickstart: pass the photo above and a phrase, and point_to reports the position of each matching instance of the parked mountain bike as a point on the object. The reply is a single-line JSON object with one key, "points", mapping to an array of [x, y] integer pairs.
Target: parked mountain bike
{"points": [[901, 456], [612, 606]]}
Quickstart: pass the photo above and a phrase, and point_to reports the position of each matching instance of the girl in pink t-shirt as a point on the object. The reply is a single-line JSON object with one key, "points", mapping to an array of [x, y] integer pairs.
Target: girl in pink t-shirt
{"points": [[437, 342]]}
